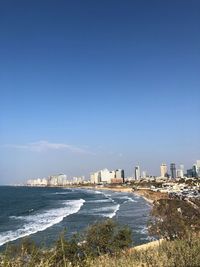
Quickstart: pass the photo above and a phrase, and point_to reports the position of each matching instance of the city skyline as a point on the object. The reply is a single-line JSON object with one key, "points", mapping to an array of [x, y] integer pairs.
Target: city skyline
{"points": [[89, 85], [166, 172]]}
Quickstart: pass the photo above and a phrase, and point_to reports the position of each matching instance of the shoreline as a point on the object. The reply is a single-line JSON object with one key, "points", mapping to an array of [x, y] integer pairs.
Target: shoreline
{"points": [[129, 191], [150, 201], [116, 189], [139, 193]]}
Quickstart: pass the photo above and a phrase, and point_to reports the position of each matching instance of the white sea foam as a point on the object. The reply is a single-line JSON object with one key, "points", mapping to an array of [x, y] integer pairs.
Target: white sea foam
{"points": [[148, 238], [40, 222], [91, 191], [128, 198], [137, 197], [108, 212], [107, 195], [101, 200], [112, 214], [97, 192], [142, 230]]}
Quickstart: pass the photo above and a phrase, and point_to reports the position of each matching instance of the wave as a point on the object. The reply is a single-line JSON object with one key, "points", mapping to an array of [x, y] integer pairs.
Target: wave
{"points": [[148, 238], [128, 199], [96, 192], [144, 231], [40, 222], [90, 191], [101, 200], [137, 197], [112, 214], [108, 212], [106, 195]]}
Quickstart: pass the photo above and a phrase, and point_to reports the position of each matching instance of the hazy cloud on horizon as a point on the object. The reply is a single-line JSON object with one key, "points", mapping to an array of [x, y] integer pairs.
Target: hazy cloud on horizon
{"points": [[43, 145]]}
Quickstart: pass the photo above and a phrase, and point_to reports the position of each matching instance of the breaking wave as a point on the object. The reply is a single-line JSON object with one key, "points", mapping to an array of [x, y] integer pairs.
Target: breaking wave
{"points": [[128, 199], [101, 200], [41, 221], [108, 212]]}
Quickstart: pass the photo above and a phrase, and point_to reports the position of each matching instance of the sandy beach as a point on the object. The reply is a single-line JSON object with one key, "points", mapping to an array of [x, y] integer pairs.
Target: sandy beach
{"points": [[113, 188], [141, 193]]}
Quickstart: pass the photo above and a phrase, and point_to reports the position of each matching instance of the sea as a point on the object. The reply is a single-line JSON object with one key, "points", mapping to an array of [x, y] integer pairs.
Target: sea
{"points": [[43, 213]]}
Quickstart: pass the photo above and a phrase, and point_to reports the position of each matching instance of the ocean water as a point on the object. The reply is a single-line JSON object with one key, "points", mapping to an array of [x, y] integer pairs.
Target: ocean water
{"points": [[43, 213]]}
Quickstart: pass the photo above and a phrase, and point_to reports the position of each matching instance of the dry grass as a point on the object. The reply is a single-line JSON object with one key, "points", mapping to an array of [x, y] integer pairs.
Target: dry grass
{"points": [[178, 253]]}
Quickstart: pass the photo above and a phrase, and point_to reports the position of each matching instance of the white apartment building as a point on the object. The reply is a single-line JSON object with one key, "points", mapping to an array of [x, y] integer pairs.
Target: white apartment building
{"points": [[95, 178], [179, 173], [144, 174], [198, 168], [105, 176], [163, 170], [137, 173], [119, 174]]}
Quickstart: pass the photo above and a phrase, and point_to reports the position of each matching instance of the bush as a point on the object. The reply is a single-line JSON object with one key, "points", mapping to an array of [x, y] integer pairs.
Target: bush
{"points": [[66, 250], [106, 237], [178, 253], [100, 238], [173, 219]]}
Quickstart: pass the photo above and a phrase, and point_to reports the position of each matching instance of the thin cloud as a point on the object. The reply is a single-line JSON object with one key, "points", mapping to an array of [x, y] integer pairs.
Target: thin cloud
{"points": [[41, 146]]}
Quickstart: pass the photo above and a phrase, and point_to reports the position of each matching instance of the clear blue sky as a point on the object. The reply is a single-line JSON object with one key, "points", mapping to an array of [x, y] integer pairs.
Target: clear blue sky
{"points": [[92, 84]]}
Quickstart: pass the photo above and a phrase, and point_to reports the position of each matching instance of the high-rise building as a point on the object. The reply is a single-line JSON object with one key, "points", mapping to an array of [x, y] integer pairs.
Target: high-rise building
{"points": [[119, 174], [198, 168], [182, 169], [105, 176], [112, 175], [173, 170], [144, 174], [137, 172], [163, 170], [190, 173], [95, 177], [180, 172], [195, 170], [198, 163]]}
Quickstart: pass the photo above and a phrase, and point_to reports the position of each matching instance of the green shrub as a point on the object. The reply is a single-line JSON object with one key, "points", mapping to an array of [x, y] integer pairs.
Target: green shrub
{"points": [[68, 250], [106, 237]]}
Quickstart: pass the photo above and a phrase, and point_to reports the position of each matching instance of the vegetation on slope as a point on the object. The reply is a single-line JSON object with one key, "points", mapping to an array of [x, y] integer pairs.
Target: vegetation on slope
{"points": [[174, 219], [107, 244], [100, 238], [178, 253]]}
